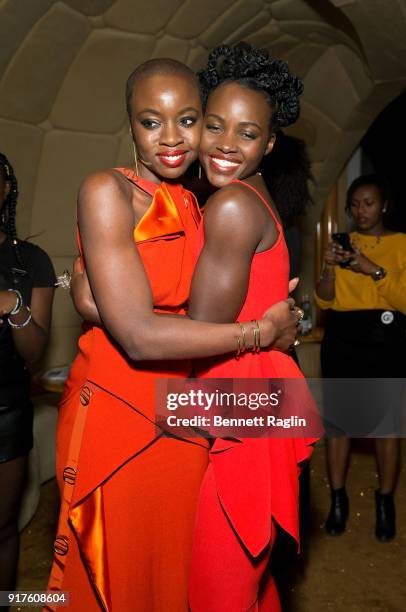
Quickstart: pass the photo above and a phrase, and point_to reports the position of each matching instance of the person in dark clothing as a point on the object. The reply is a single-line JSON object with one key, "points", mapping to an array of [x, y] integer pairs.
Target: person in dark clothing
{"points": [[27, 281], [364, 291], [287, 175]]}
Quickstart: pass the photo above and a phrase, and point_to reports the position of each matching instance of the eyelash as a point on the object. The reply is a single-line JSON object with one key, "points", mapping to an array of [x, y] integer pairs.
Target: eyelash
{"points": [[368, 203], [191, 121], [186, 122], [149, 124], [216, 129], [212, 128]]}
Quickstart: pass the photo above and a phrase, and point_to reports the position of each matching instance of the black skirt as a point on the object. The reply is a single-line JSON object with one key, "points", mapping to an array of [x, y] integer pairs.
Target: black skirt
{"points": [[365, 344], [16, 421]]}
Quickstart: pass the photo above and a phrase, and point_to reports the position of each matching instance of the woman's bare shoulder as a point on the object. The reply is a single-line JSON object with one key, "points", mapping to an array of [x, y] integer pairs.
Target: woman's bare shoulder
{"points": [[104, 181], [232, 197]]}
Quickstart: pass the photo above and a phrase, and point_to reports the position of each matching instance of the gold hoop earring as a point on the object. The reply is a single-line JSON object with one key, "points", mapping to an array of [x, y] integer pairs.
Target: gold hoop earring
{"points": [[135, 159]]}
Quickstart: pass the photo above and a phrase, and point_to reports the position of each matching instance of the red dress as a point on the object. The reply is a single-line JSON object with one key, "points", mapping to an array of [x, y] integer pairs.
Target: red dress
{"points": [[129, 493], [250, 484]]}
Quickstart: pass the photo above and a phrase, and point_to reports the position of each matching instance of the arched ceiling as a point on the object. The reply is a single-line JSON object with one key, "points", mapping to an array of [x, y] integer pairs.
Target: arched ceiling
{"points": [[63, 65]]}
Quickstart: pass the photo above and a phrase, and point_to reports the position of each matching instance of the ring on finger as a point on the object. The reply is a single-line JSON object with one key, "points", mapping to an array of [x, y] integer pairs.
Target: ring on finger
{"points": [[64, 280], [300, 313], [294, 344]]}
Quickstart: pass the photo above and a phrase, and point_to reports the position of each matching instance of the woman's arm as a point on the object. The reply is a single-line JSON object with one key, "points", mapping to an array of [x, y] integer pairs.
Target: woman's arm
{"points": [[325, 288], [392, 287], [30, 341], [232, 232], [233, 229], [81, 294], [121, 289]]}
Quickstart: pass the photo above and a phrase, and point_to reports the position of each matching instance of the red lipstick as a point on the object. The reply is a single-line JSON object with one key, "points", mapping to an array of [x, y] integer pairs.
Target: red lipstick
{"points": [[173, 158]]}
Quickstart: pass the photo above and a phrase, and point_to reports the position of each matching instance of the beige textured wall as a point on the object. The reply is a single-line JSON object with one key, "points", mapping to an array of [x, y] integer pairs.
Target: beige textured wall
{"points": [[63, 65]]}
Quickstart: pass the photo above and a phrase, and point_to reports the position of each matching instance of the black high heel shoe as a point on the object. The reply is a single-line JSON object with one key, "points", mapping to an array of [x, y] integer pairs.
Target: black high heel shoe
{"points": [[385, 516], [337, 518]]}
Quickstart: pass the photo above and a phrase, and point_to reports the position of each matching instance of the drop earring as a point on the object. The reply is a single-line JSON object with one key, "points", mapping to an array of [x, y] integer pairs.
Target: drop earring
{"points": [[199, 174]]}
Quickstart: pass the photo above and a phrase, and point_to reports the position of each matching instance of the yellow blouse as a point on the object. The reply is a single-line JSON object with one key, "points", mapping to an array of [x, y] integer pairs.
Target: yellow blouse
{"points": [[356, 291]]}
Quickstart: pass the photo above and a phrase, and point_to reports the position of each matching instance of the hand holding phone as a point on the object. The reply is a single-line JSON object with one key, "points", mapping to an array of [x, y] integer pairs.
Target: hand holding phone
{"points": [[343, 239]]}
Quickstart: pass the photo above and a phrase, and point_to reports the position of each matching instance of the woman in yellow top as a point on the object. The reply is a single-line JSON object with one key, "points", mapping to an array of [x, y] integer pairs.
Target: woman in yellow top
{"points": [[365, 337]]}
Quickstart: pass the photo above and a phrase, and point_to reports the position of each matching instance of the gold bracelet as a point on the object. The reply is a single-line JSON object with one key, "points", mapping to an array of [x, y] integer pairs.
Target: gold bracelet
{"points": [[257, 336], [243, 337], [238, 351], [241, 341]]}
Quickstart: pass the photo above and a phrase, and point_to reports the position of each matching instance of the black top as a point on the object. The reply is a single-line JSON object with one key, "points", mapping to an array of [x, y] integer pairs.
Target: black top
{"points": [[37, 271]]}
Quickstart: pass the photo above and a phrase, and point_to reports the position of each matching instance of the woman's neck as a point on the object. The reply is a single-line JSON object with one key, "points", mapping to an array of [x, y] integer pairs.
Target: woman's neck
{"points": [[148, 175], [378, 230], [254, 179]]}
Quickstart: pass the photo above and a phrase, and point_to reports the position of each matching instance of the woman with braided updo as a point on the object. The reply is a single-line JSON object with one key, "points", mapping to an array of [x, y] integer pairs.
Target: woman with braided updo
{"points": [[250, 489], [244, 262], [26, 292]]}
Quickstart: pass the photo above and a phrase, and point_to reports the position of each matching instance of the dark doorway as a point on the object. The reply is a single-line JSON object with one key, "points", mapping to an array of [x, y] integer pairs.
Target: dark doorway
{"points": [[384, 145]]}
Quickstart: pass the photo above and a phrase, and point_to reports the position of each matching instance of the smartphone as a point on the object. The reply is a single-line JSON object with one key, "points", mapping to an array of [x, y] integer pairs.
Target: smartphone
{"points": [[343, 239]]}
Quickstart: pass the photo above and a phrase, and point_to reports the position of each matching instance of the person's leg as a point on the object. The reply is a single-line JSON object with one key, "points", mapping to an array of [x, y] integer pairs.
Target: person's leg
{"points": [[387, 458], [224, 576], [338, 450], [12, 477]]}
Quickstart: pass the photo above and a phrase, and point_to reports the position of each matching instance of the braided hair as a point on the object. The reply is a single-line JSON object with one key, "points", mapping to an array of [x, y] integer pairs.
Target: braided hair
{"points": [[256, 69], [8, 208]]}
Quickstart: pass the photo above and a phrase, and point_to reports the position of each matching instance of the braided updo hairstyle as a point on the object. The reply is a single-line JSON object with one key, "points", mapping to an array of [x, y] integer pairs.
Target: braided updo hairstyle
{"points": [[255, 69], [8, 207]]}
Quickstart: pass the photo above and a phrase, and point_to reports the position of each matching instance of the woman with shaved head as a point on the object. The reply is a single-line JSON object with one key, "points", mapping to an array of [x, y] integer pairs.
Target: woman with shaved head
{"points": [[129, 491]]}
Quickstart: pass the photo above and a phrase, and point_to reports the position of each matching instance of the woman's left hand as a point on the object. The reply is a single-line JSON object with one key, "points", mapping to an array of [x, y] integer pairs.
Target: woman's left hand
{"points": [[361, 264]]}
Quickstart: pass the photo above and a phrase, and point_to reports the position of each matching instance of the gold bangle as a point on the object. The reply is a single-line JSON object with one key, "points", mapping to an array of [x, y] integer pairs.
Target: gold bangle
{"points": [[238, 352], [257, 336], [243, 337], [241, 340]]}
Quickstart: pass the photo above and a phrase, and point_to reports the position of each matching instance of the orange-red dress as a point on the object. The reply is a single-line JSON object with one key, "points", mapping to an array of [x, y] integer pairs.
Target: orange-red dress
{"points": [[252, 483], [129, 493]]}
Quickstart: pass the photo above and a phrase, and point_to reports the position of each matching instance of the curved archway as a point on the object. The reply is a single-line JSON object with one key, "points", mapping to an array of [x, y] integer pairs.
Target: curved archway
{"points": [[63, 67]]}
